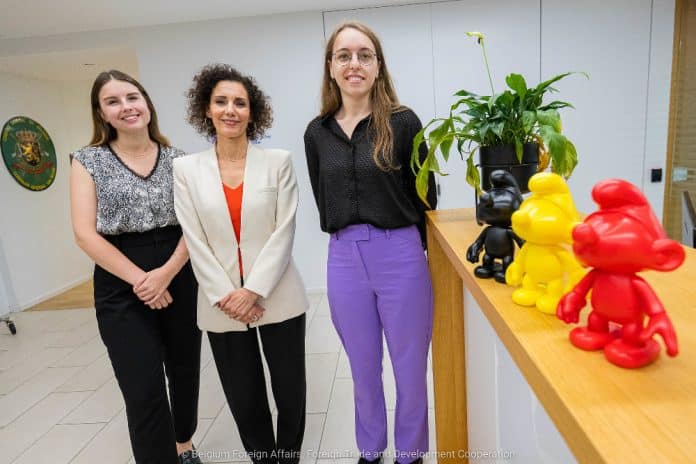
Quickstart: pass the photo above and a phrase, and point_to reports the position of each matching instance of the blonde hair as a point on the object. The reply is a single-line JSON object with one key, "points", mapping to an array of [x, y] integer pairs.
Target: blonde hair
{"points": [[382, 96]]}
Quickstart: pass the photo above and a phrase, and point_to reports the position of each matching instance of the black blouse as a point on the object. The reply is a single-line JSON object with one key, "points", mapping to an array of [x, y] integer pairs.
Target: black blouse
{"points": [[350, 188]]}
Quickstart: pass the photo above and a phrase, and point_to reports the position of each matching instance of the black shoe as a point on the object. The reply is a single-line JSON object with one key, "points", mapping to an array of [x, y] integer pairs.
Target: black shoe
{"points": [[190, 457], [367, 461]]}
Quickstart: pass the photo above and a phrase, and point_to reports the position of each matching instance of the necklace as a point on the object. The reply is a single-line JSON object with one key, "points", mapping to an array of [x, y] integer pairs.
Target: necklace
{"points": [[229, 159], [133, 155]]}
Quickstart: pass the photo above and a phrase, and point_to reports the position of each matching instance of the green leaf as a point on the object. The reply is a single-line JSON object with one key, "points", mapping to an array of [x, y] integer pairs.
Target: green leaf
{"points": [[517, 83], [543, 86], [415, 151], [550, 118], [528, 120], [556, 144], [498, 128], [483, 130], [473, 177], [572, 155], [446, 145], [492, 100], [465, 93], [422, 185], [519, 147], [505, 101], [556, 105]]}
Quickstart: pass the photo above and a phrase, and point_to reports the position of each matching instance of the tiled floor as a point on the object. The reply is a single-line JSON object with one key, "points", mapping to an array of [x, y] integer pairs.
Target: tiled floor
{"points": [[59, 401]]}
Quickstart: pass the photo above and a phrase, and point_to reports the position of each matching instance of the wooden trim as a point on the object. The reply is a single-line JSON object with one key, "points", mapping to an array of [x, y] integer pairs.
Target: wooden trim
{"points": [[672, 123], [449, 360]]}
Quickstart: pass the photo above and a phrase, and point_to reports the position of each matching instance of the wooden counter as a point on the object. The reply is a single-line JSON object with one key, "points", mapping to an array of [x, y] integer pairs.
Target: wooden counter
{"points": [[604, 413]]}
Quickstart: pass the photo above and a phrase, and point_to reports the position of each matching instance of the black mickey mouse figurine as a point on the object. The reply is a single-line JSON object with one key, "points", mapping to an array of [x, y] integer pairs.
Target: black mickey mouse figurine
{"points": [[495, 208]]}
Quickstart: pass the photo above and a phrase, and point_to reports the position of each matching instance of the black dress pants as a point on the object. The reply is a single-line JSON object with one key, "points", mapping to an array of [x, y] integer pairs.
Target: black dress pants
{"points": [[238, 359], [145, 344]]}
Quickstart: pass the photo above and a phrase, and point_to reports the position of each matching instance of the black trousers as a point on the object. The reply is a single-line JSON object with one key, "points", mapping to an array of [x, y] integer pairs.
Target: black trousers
{"points": [[238, 359], [145, 344]]}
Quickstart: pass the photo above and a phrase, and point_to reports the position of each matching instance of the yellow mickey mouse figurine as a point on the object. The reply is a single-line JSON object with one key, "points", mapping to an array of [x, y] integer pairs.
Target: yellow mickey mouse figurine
{"points": [[545, 265]]}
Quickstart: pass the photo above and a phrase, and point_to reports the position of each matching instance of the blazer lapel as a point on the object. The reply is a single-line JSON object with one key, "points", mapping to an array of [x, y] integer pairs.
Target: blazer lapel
{"points": [[253, 174], [224, 242]]}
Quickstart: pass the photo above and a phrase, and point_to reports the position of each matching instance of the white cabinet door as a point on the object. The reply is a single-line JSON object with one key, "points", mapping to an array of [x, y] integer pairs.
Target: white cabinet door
{"points": [[611, 42]]}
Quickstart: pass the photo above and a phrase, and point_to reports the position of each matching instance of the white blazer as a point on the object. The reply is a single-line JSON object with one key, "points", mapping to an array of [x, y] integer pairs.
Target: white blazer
{"points": [[269, 204]]}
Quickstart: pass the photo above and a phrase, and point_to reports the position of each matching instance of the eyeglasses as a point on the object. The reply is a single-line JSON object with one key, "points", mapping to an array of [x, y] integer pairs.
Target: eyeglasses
{"points": [[365, 57]]}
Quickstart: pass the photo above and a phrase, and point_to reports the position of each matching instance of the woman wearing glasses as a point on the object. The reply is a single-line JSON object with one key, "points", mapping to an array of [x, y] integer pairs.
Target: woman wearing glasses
{"points": [[358, 152]]}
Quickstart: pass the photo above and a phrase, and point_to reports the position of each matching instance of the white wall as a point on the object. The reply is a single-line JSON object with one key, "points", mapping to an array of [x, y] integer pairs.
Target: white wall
{"points": [[36, 235], [511, 29], [612, 42], [619, 124]]}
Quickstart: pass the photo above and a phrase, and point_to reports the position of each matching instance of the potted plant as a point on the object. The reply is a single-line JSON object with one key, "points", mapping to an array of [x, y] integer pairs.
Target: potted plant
{"points": [[513, 130]]}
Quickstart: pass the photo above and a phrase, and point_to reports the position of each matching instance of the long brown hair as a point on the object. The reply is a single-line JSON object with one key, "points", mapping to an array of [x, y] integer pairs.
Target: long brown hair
{"points": [[382, 96], [102, 131]]}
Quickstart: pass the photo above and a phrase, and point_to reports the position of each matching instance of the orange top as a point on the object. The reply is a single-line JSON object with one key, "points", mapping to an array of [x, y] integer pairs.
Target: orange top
{"points": [[234, 206]]}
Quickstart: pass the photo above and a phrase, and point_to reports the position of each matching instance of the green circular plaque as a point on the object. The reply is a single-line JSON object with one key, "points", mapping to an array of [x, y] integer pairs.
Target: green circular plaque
{"points": [[28, 153]]}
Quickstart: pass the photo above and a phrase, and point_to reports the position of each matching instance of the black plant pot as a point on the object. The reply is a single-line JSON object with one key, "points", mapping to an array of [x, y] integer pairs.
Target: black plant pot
{"points": [[504, 157]]}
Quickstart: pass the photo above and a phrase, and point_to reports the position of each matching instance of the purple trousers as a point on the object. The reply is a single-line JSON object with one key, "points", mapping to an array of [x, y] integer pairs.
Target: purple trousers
{"points": [[378, 281]]}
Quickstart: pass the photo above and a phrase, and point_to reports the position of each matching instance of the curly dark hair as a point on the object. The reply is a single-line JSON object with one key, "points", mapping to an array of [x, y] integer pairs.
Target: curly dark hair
{"points": [[202, 88]]}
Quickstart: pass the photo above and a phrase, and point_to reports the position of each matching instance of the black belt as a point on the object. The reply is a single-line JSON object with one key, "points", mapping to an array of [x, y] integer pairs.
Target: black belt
{"points": [[150, 237]]}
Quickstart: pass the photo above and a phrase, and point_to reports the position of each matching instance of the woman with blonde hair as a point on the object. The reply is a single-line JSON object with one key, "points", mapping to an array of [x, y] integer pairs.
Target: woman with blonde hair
{"points": [[358, 152]]}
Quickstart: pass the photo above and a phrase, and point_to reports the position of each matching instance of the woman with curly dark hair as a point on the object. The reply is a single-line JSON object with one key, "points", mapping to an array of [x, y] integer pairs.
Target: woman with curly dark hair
{"points": [[236, 203]]}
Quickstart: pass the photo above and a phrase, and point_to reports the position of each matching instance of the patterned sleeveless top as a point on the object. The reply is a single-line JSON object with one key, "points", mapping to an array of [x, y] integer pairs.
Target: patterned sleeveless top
{"points": [[127, 201]]}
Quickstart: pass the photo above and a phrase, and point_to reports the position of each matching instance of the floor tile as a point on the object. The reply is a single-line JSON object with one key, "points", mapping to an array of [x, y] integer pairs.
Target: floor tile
{"points": [[222, 442], [60, 444], [69, 320], [101, 406], [77, 336], [83, 355], [111, 445], [211, 397], [320, 376], [343, 371], [20, 400], [323, 307], [321, 336], [16, 437], [314, 427], [90, 377], [16, 375], [338, 440]]}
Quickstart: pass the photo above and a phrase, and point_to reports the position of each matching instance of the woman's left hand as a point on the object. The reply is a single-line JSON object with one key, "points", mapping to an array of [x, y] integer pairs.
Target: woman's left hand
{"points": [[154, 285]]}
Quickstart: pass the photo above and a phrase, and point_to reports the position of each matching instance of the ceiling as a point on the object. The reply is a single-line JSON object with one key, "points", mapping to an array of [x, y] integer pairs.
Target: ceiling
{"points": [[33, 18]]}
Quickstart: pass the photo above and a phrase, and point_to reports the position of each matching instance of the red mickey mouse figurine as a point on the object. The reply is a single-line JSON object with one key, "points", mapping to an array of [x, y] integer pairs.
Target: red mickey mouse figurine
{"points": [[620, 239]]}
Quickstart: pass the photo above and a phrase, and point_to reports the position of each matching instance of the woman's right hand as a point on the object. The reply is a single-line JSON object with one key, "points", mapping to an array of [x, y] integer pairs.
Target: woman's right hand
{"points": [[252, 314], [162, 302]]}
